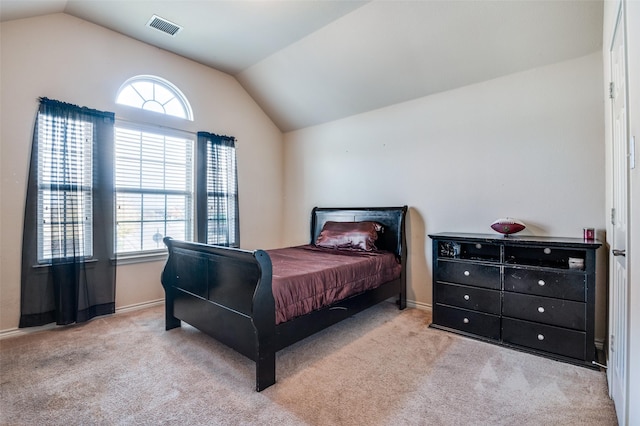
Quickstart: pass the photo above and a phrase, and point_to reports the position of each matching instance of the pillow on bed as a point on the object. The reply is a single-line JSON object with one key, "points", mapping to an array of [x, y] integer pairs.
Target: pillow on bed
{"points": [[349, 235]]}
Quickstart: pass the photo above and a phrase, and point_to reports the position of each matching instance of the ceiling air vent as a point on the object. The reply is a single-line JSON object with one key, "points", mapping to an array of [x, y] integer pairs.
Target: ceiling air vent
{"points": [[163, 25]]}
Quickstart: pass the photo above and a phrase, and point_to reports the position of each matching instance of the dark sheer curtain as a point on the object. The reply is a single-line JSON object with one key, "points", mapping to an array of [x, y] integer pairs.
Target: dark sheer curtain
{"points": [[68, 270], [217, 214]]}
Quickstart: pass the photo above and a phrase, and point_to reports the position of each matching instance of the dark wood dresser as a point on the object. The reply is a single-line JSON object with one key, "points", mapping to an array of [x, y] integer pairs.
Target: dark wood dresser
{"points": [[535, 294]]}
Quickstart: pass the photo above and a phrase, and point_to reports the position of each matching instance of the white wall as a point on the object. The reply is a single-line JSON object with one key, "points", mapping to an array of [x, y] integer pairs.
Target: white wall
{"points": [[528, 145], [65, 58]]}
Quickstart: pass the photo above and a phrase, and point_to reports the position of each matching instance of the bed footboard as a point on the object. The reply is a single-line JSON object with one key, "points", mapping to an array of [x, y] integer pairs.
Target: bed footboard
{"points": [[225, 293]]}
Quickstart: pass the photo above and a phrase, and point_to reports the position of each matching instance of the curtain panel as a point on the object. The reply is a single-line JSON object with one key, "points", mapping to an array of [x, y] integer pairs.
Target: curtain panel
{"points": [[68, 270], [217, 214]]}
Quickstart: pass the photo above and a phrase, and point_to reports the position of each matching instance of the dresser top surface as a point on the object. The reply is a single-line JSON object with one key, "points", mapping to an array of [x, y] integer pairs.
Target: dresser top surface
{"points": [[517, 240]]}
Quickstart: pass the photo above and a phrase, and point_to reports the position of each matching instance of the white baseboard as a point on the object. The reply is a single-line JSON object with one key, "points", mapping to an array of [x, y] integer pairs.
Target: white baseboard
{"points": [[137, 306], [418, 305], [13, 332]]}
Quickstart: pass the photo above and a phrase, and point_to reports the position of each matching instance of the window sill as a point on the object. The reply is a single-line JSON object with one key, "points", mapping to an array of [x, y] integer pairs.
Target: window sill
{"points": [[87, 262], [128, 259]]}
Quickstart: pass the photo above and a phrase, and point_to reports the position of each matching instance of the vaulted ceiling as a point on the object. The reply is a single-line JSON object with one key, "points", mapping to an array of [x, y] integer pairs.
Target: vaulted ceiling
{"points": [[308, 62]]}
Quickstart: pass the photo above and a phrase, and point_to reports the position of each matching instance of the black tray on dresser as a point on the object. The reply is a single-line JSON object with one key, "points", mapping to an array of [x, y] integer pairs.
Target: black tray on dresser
{"points": [[535, 294]]}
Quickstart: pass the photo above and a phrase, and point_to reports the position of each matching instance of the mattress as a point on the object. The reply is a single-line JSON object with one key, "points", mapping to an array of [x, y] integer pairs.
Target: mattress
{"points": [[308, 278]]}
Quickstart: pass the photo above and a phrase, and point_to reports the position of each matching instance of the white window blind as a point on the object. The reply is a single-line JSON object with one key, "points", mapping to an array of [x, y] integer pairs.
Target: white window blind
{"points": [[65, 188], [221, 195], [154, 187]]}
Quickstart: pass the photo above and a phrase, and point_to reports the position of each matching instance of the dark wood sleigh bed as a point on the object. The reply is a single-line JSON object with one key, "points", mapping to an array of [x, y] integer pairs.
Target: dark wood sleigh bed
{"points": [[227, 293]]}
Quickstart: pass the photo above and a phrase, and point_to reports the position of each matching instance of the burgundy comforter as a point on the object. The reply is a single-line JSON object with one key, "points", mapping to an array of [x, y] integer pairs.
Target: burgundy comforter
{"points": [[307, 278]]}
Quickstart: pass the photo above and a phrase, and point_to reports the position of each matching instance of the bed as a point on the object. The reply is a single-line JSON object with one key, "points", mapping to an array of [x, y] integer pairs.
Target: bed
{"points": [[228, 293]]}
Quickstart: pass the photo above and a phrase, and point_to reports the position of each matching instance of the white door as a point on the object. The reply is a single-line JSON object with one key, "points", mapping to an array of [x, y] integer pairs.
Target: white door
{"points": [[619, 296]]}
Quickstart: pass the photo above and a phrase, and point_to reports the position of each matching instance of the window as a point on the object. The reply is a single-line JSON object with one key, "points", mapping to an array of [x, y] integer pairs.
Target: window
{"points": [[218, 175], [221, 195], [158, 190], [154, 187], [65, 188], [67, 273], [154, 94]]}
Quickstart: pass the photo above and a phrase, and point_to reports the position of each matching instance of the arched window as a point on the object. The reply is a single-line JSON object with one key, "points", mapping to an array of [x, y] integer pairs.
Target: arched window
{"points": [[157, 171], [153, 93]]}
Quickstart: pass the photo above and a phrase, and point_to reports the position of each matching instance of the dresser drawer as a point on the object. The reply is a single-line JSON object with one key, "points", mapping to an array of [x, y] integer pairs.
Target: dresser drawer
{"points": [[469, 250], [566, 285], [545, 338], [477, 323], [474, 274], [563, 313], [474, 298], [548, 257]]}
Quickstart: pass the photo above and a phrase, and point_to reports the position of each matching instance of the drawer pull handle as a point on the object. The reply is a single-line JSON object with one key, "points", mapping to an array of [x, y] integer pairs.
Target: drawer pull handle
{"points": [[466, 297], [541, 309], [466, 320], [541, 283], [466, 273], [540, 337]]}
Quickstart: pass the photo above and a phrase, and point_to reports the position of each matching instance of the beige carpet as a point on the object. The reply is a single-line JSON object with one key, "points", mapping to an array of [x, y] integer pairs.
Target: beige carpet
{"points": [[382, 367]]}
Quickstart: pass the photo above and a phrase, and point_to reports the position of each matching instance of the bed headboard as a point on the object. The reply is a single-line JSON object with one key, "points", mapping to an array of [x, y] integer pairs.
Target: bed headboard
{"points": [[393, 238]]}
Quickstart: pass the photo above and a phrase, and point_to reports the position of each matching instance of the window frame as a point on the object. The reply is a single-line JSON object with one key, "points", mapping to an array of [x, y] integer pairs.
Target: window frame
{"points": [[46, 183], [190, 221], [155, 81], [128, 116], [211, 191]]}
